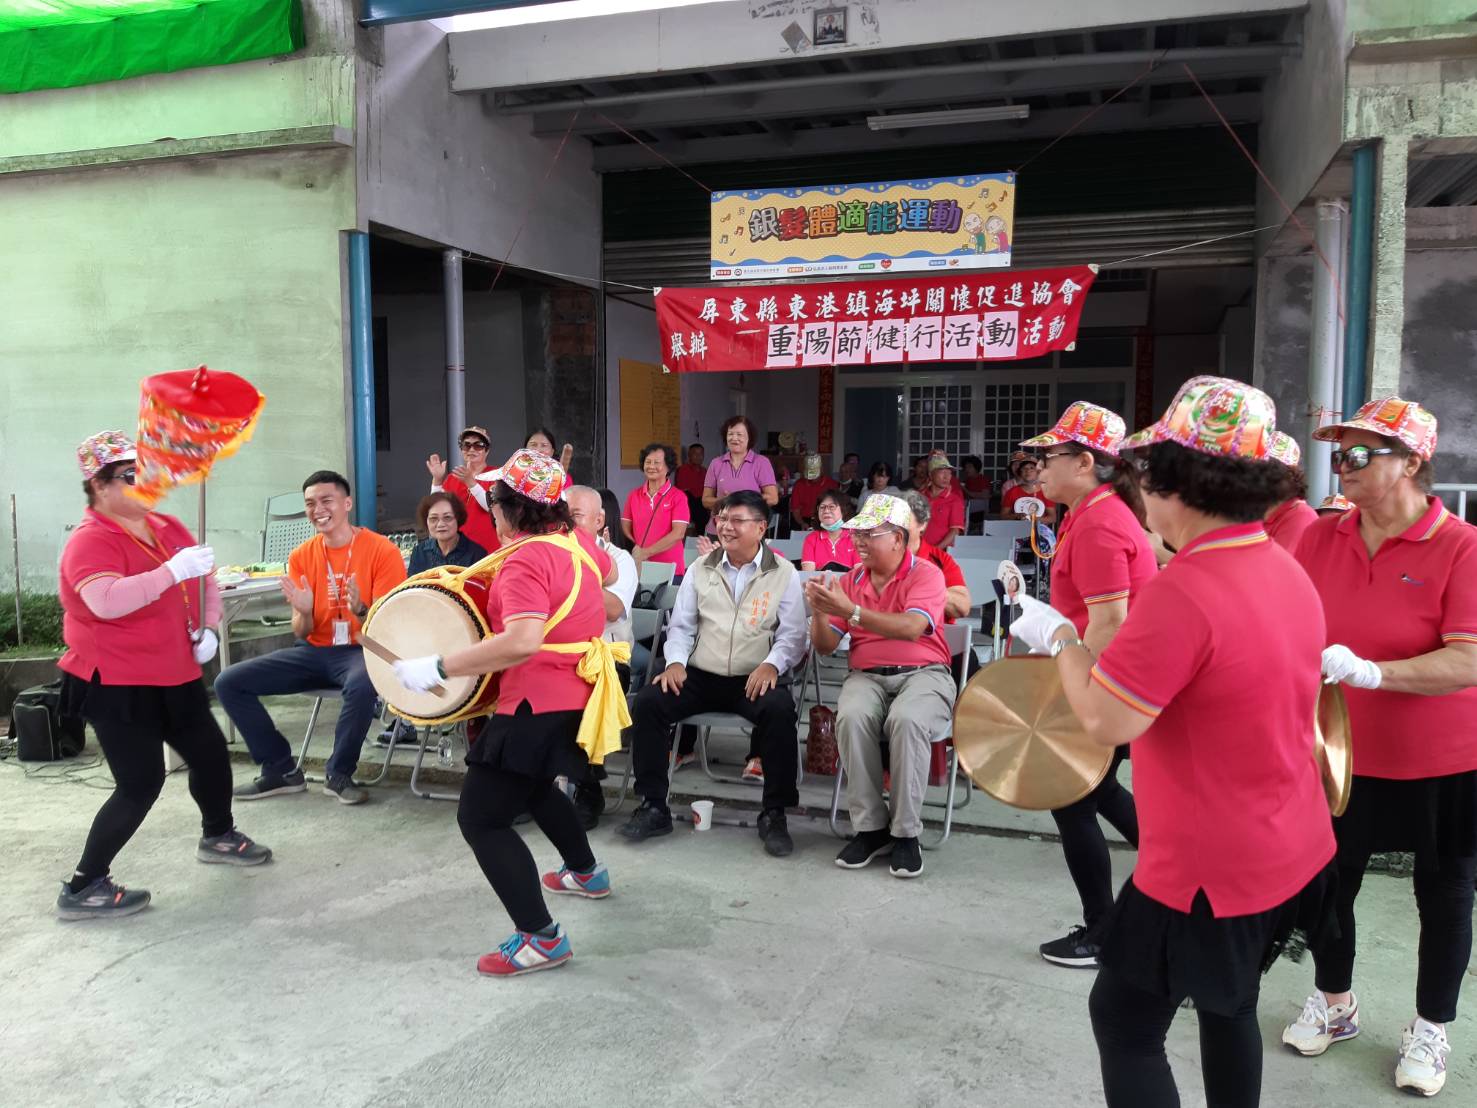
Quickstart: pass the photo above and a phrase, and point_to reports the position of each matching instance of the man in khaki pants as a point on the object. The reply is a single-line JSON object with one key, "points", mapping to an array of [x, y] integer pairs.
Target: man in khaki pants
{"points": [[900, 689]]}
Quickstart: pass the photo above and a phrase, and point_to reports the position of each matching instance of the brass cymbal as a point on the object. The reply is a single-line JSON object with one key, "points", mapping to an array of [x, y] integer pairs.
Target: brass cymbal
{"points": [[1019, 741], [1333, 749]]}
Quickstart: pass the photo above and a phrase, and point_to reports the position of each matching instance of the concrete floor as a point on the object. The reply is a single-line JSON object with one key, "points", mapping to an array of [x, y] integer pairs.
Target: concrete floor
{"points": [[343, 974]]}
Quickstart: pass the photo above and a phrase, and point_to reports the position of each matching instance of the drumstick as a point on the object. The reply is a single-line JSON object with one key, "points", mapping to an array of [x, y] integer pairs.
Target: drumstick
{"points": [[385, 654]]}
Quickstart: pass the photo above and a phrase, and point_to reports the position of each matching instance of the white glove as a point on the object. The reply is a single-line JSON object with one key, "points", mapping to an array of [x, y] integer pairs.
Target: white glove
{"points": [[192, 561], [1038, 624], [205, 645], [419, 674], [1342, 665]]}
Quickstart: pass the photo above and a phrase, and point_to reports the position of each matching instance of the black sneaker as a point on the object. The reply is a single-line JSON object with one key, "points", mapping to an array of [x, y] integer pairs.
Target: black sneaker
{"points": [[858, 853], [1078, 948], [399, 733], [907, 858], [272, 784], [100, 900], [775, 832], [232, 849], [342, 787], [647, 821], [589, 803]]}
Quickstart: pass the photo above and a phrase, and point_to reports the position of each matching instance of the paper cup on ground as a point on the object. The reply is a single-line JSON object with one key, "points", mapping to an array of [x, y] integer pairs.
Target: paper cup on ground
{"points": [[702, 815]]}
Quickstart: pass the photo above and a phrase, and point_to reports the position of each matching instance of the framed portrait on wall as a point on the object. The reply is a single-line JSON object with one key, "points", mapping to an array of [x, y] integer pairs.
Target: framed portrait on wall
{"points": [[830, 27]]}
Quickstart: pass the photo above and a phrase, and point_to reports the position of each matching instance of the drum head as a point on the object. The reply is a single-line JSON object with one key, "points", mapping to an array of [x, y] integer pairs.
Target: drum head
{"points": [[412, 621], [1333, 749], [1019, 740]]}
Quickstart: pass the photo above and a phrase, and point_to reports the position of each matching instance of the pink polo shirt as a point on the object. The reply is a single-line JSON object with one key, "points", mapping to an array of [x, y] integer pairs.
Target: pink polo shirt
{"points": [[1221, 650], [532, 584], [824, 547], [945, 512], [1102, 554], [1416, 594], [1287, 522], [652, 517], [917, 586], [149, 646], [754, 473]]}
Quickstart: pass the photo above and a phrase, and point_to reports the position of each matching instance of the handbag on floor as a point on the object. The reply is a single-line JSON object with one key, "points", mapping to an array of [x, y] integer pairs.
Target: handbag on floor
{"points": [[822, 756]]}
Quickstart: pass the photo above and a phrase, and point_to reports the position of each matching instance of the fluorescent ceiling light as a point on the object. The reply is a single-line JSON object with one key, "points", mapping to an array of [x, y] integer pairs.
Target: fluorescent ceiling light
{"points": [[947, 118]]}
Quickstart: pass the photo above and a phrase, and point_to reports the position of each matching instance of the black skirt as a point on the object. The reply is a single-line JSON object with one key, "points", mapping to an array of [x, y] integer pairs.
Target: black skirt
{"points": [[1216, 962], [171, 707], [531, 744], [1434, 817]]}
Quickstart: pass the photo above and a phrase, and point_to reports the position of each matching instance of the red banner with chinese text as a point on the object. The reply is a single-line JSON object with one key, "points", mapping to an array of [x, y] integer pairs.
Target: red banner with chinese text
{"points": [[965, 318], [825, 410]]}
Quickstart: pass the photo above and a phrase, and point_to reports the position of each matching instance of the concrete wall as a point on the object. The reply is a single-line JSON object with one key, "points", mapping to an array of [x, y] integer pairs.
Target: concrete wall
{"points": [[417, 358], [1284, 314], [1440, 352], [436, 165]]}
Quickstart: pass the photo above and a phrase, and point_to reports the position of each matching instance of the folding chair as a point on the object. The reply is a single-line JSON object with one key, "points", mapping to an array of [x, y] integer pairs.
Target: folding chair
{"points": [[656, 573], [285, 525], [647, 625], [319, 696], [445, 730], [708, 722], [943, 770]]}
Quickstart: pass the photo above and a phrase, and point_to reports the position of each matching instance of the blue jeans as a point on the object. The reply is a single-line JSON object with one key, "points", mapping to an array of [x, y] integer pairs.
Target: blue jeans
{"points": [[299, 668]]}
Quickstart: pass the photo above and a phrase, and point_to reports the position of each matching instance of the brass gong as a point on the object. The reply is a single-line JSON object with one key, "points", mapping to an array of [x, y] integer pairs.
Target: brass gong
{"points": [[1019, 740], [1332, 749]]}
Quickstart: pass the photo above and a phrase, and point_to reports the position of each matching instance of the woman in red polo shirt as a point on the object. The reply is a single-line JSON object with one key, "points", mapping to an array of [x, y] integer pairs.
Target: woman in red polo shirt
{"points": [[136, 641], [657, 512], [1213, 676], [829, 546], [1103, 563], [1398, 578], [1287, 521], [545, 596], [461, 483]]}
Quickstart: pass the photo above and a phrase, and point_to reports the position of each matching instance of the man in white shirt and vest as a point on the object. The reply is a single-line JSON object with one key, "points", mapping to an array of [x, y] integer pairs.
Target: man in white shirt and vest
{"points": [[737, 630]]}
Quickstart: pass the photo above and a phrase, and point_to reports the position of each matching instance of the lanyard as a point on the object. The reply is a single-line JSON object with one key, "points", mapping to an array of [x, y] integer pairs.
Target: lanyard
{"points": [[340, 593], [654, 504], [153, 551]]}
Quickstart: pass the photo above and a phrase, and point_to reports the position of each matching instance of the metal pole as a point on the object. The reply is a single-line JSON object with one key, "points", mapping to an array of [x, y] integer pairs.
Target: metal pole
{"points": [[200, 538], [456, 353], [361, 347], [15, 553], [1361, 281], [1324, 347]]}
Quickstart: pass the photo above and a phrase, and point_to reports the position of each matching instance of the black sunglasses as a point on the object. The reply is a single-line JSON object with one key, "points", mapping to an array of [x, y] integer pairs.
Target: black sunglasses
{"points": [[1357, 457], [127, 476]]}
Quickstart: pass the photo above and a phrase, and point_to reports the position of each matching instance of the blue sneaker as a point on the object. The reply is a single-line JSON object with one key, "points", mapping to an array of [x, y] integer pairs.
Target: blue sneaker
{"points": [[594, 885], [526, 953]]}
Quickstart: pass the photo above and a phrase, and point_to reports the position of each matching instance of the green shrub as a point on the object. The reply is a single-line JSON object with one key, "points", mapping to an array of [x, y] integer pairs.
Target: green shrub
{"points": [[41, 619]]}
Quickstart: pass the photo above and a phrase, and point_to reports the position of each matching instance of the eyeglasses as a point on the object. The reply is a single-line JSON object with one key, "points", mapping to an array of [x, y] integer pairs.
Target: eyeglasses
{"points": [[1357, 457], [864, 537], [1059, 454], [127, 476], [736, 520]]}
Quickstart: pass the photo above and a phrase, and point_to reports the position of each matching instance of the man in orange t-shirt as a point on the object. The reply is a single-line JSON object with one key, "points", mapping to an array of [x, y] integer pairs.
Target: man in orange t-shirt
{"points": [[331, 581]]}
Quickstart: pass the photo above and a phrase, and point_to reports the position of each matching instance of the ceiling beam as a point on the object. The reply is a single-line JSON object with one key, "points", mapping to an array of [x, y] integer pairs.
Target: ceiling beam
{"points": [[922, 92], [1242, 107]]}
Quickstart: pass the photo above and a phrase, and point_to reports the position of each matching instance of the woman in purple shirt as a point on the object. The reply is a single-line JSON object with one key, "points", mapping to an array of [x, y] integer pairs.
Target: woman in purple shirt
{"points": [[739, 468]]}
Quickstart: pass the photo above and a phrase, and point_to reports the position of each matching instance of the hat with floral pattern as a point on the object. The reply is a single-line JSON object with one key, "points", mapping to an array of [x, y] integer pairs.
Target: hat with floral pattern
{"points": [[880, 510], [1335, 502], [1405, 421], [530, 474], [811, 467], [1285, 449], [1215, 416], [1086, 424], [103, 449]]}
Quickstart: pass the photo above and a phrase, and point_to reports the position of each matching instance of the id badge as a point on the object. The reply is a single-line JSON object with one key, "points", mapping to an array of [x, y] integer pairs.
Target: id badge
{"points": [[340, 632]]}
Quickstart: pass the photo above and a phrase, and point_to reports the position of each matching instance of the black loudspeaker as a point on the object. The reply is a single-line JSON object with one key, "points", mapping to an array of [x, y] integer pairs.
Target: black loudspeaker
{"points": [[42, 733]]}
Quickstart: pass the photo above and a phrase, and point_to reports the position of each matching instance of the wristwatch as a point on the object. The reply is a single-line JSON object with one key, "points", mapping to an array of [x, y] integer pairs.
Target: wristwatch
{"points": [[1061, 644], [855, 619]]}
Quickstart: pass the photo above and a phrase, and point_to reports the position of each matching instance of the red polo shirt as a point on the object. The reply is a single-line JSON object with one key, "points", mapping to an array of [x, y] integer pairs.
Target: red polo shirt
{"points": [[1416, 594], [532, 584], [150, 646], [1287, 522], [1222, 650], [825, 547], [806, 492], [945, 512], [479, 526], [918, 587], [953, 575], [690, 479], [1102, 554]]}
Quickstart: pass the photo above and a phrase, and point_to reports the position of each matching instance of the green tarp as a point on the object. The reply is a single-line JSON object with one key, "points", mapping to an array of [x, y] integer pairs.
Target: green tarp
{"points": [[61, 43]]}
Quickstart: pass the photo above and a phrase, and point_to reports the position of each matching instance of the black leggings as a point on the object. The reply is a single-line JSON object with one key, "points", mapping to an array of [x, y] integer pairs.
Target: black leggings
{"points": [[1130, 1026], [132, 724], [1085, 846], [491, 798], [1443, 897]]}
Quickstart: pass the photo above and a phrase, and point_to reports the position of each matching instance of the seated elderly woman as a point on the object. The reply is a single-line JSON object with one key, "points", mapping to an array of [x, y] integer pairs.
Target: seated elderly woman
{"points": [[440, 517], [828, 546]]}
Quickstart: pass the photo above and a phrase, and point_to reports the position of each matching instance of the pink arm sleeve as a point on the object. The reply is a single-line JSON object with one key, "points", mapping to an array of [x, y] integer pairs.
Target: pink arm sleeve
{"points": [[214, 609], [116, 597]]}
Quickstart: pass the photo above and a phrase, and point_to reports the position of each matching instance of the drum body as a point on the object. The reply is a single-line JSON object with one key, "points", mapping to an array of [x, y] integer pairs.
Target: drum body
{"points": [[432, 613]]}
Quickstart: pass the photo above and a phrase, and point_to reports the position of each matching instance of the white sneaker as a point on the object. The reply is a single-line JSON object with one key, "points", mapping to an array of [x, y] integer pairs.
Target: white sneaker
{"points": [[1423, 1051], [1321, 1025]]}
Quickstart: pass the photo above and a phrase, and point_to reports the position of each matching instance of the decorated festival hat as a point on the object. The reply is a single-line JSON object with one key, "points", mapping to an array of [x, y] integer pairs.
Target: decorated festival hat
{"points": [[1285, 449], [1405, 421], [103, 449], [880, 510], [811, 468], [1086, 424], [1335, 502], [1215, 416], [530, 474]]}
